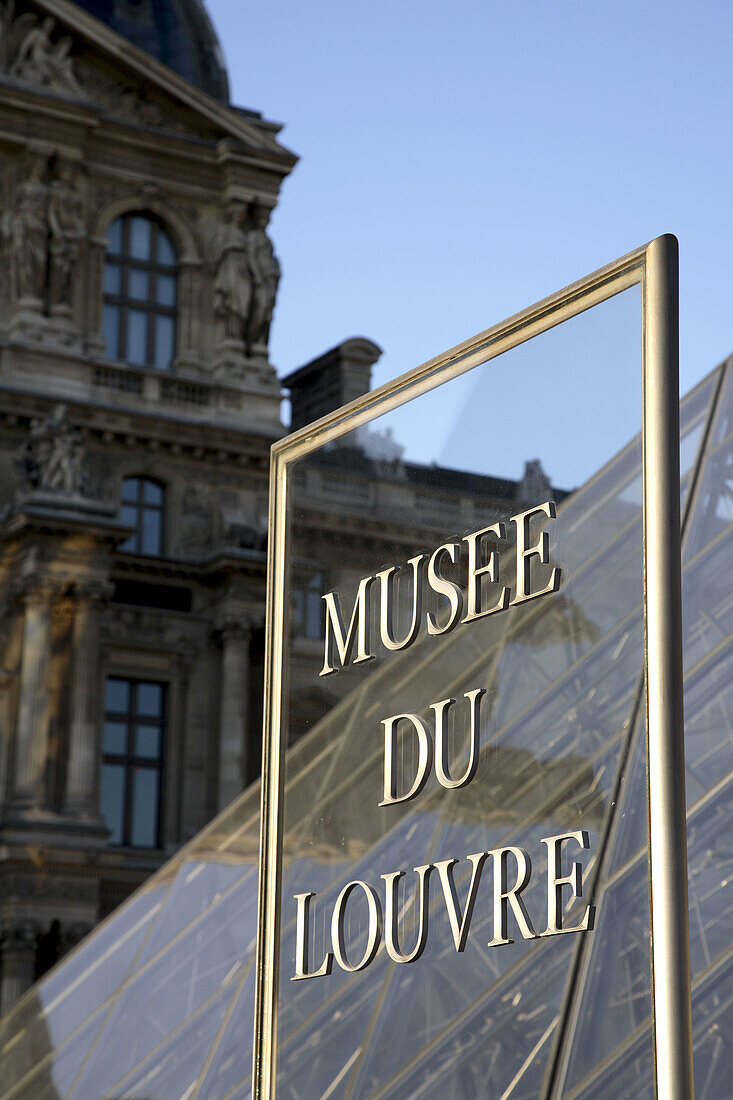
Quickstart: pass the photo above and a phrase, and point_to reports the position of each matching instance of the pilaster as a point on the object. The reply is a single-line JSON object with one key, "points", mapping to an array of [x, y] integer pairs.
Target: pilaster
{"points": [[236, 634]]}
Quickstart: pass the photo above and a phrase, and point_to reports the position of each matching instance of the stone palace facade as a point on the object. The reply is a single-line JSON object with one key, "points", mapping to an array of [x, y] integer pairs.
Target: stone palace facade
{"points": [[138, 405]]}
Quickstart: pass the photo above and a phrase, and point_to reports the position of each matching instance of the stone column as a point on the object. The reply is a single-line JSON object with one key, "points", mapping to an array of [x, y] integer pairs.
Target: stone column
{"points": [[18, 953], [234, 709], [32, 725], [81, 799]]}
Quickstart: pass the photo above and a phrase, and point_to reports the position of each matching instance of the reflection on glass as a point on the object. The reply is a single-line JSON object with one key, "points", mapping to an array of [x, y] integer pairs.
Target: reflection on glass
{"points": [[144, 832], [114, 237], [559, 677], [166, 252], [164, 341], [138, 284], [131, 1011], [152, 492], [114, 737], [137, 336], [151, 534], [150, 700], [111, 330], [166, 290], [112, 799], [117, 694], [140, 238], [112, 278]]}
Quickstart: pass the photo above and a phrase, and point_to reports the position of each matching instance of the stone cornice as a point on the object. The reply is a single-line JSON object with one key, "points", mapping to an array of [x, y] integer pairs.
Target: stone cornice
{"points": [[158, 430]]}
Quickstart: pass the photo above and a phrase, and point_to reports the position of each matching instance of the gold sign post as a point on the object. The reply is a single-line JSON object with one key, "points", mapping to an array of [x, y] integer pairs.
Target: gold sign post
{"points": [[473, 657]]}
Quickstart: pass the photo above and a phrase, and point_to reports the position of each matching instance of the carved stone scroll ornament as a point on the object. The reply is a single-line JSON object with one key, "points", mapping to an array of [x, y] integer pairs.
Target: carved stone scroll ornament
{"points": [[31, 52], [53, 456]]}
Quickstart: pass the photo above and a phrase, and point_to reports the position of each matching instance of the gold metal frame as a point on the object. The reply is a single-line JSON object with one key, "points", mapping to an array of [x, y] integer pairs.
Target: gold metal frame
{"points": [[655, 268]]}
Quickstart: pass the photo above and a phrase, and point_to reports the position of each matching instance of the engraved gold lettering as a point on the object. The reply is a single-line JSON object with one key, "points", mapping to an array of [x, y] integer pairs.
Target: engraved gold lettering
{"points": [[475, 572], [441, 753], [374, 926], [525, 554], [460, 925], [505, 896], [391, 914], [425, 752], [301, 943], [358, 627], [556, 881], [387, 602], [443, 587]]}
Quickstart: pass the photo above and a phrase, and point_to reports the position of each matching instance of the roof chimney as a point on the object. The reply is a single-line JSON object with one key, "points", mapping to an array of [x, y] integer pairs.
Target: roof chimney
{"points": [[331, 380]]}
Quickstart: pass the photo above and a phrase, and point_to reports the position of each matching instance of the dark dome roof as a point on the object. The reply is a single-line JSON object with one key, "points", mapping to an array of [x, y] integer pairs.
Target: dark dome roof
{"points": [[177, 32]]}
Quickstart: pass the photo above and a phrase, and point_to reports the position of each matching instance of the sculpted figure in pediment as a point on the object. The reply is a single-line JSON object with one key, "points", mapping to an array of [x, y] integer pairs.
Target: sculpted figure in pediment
{"points": [[41, 61]]}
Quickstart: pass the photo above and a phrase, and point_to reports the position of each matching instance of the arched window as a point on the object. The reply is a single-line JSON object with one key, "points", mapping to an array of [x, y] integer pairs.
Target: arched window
{"points": [[140, 292], [143, 502]]}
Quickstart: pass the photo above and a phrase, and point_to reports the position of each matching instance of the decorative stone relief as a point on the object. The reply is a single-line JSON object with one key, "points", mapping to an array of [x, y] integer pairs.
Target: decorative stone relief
{"points": [[66, 224], [32, 52], [25, 232], [128, 102], [129, 625], [232, 279], [43, 234], [52, 458], [199, 522], [265, 270], [246, 277]]}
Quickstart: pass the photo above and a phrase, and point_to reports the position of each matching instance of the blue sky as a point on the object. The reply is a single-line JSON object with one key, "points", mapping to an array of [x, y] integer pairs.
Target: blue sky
{"points": [[460, 161]]}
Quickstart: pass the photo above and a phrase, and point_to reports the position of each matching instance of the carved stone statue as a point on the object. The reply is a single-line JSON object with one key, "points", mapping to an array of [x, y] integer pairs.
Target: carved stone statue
{"points": [[25, 229], [265, 271], [66, 223], [232, 282], [53, 456], [41, 61]]}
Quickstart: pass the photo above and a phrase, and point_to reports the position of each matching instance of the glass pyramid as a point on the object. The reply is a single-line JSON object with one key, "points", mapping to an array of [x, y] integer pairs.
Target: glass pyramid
{"points": [[157, 1003]]}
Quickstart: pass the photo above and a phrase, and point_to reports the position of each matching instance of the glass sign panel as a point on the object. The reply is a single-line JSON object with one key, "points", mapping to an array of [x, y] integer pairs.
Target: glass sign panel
{"points": [[456, 679]]}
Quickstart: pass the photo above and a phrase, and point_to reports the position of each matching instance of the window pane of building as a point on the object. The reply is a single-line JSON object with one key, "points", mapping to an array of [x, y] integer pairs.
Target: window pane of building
{"points": [[151, 534], [164, 341], [147, 741], [165, 290], [152, 493], [140, 237], [112, 278], [166, 251], [114, 236], [111, 330], [112, 799], [131, 489], [117, 696], [138, 284], [150, 700], [137, 337], [114, 738], [129, 516], [144, 822]]}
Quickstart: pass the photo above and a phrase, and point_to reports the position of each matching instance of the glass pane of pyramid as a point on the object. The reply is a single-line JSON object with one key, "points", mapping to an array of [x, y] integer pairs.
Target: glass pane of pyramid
{"points": [[158, 1002]]}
